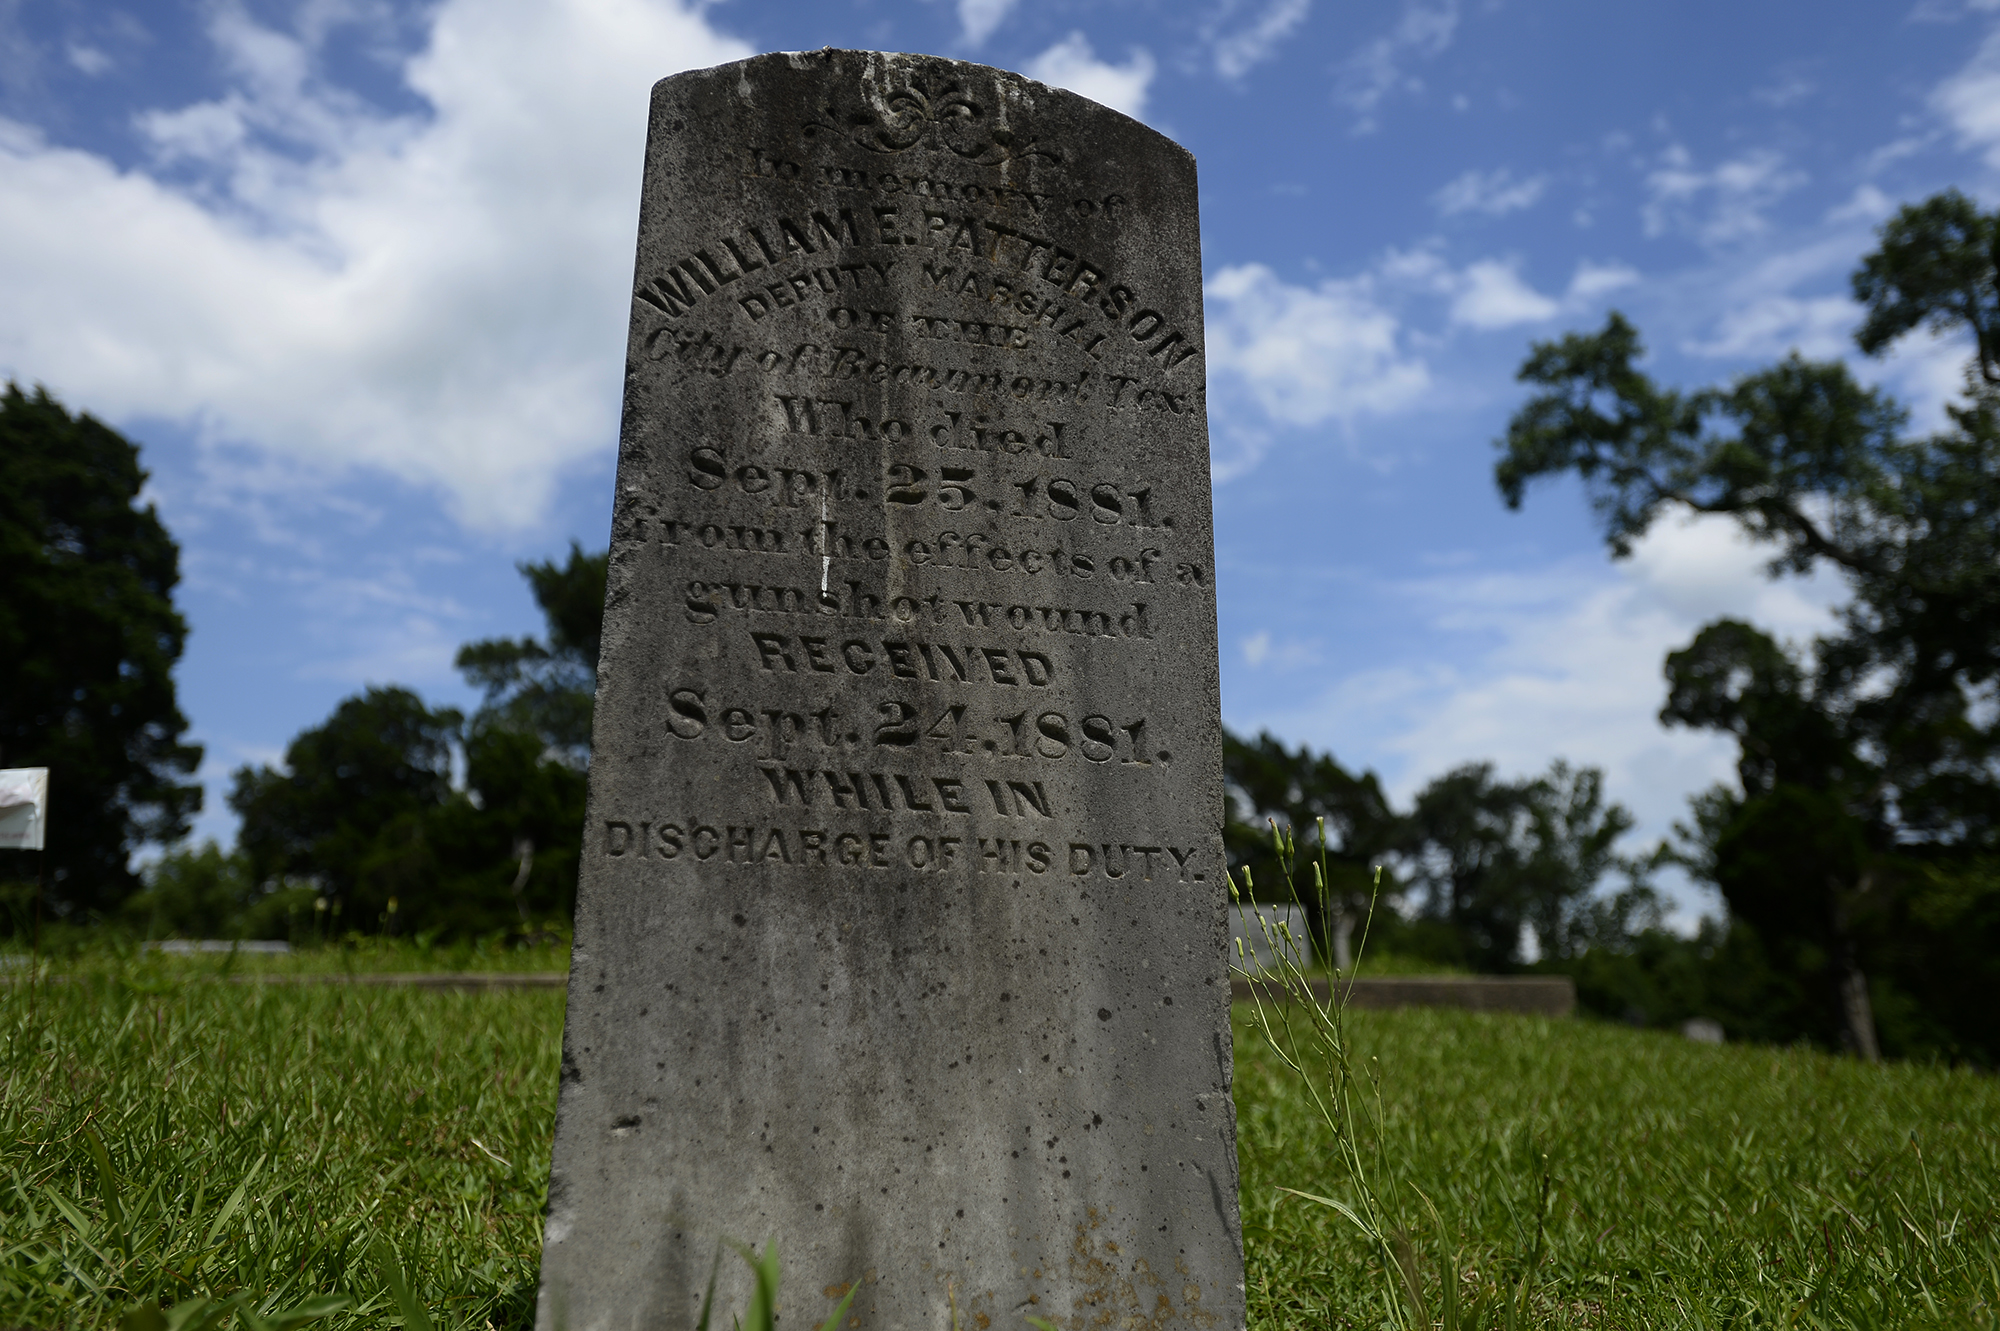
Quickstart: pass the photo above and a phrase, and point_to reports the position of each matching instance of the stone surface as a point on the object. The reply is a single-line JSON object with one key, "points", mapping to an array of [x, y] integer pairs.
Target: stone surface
{"points": [[901, 929]]}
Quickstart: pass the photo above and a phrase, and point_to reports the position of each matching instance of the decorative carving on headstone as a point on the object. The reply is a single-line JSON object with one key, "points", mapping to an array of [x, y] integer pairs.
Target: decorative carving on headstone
{"points": [[943, 114]]}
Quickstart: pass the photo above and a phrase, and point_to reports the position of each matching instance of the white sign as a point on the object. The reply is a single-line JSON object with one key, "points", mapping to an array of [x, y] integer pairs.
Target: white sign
{"points": [[24, 807]]}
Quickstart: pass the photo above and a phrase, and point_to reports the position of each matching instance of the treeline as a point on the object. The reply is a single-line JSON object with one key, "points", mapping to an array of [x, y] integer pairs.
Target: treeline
{"points": [[370, 826], [1524, 876]]}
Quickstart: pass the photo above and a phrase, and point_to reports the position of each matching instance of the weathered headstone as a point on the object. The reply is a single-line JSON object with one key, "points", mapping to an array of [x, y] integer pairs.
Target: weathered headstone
{"points": [[901, 930]]}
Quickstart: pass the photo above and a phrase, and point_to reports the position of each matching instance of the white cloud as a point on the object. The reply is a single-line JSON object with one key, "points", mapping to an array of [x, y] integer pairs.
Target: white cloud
{"points": [[1772, 326], [1287, 356], [1261, 649], [1866, 204], [1306, 355], [1491, 294], [977, 19], [1786, 90], [441, 297], [1377, 69], [1071, 64], [1592, 280], [1495, 193], [1240, 51], [1562, 661], [89, 59], [1969, 100], [1736, 194]]}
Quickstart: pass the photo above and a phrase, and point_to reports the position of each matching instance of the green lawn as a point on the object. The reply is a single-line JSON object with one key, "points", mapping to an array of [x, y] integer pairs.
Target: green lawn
{"points": [[340, 1112], [260, 1137], [1689, 1185]]}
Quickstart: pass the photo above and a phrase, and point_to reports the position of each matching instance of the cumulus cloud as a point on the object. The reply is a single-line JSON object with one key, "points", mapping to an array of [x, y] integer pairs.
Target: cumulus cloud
{"points": [[1787, 89], [1723, 204], [1592, 280], [1491, 294], [977, 19], [1495, 193], [1285, 355], [1771, 326], [439, 296], [1378, 69], [1559, 661], [91, 60], [1071, 64], [1238, 52], [1307, 355], [1969, 101]]}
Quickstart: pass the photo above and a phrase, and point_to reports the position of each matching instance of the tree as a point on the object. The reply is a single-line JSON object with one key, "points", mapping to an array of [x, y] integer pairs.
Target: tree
{"points": [[365, 809], [519, 846], [547, 688], [88, 642], [1304, 794], [197, 892], [530, 740], [1486, 858], [1878, 752], [1496, 859], [355, 807]]}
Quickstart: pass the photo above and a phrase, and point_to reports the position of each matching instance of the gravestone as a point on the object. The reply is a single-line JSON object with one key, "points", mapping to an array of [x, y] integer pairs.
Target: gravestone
{"points": [[901, 926], [1262, 934]]}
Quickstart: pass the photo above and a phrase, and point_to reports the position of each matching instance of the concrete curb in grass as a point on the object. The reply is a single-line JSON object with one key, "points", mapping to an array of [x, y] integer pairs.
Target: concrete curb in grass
{"points": [[465, 980], [1533, 995], [413, 980]]}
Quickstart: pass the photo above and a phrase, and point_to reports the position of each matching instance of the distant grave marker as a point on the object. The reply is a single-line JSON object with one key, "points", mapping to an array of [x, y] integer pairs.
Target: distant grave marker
{"points": [[901, 929], [1260, 934]]}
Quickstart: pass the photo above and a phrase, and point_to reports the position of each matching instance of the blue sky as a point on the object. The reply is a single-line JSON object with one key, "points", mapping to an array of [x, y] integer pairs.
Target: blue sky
{"points": [[353, 273]]}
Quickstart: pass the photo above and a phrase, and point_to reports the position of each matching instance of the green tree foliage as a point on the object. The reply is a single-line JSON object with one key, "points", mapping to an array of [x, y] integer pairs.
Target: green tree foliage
{"points": [[546, 688], [365, 811], [1306, 794], [1494, 859], [357, 808], [206, 892], [365, 815], [1869, 766], [1474, 863], [88, 642], [1934, 269]]}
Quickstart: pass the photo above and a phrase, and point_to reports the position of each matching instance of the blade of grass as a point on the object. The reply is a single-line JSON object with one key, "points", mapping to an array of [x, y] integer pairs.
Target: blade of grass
{"points": [[414, 1316]]}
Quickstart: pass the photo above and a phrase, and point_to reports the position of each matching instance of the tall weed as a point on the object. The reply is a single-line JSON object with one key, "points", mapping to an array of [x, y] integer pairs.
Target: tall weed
{"points": [[1420, 1255]]}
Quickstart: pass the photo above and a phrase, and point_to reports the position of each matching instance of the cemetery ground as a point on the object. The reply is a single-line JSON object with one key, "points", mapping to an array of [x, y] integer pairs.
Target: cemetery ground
{"points": [[166, 1132]]}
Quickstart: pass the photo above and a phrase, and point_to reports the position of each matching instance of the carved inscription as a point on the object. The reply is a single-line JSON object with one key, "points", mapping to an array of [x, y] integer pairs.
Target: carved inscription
{"points": [[824, 847], [1058, 292], [794, 524]]}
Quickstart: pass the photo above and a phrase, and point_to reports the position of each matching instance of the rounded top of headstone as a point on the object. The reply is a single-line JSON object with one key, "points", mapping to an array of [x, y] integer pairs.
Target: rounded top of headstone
{"points": [[899, 104]]}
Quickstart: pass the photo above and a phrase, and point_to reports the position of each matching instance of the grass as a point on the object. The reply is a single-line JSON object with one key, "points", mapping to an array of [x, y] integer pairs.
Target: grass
{"points": [[264, 1139], [273, 1143], [1688, 1185]]}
